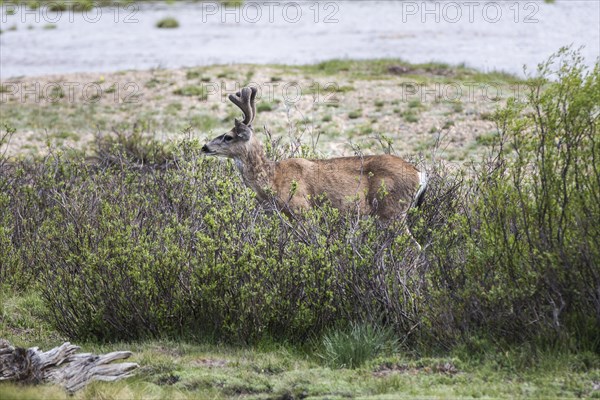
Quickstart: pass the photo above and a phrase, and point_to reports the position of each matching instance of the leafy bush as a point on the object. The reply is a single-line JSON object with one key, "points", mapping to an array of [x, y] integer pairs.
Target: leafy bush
{"points": [[528, 264], [167, 23], [126, 248], [136, 150]]}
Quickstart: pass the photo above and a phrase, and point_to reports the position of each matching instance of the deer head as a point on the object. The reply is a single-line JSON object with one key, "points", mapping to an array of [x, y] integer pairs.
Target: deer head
{"points": [[235, 142]]}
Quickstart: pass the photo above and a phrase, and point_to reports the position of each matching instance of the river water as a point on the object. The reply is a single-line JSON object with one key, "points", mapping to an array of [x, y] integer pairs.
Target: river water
{"points": [[500, 35]]}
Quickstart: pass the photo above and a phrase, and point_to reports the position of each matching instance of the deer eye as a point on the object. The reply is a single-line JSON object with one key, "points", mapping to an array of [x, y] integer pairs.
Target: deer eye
{"points": [[228, 138]]}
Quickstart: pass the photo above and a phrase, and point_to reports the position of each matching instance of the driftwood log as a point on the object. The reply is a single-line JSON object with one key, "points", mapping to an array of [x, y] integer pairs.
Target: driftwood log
{"points": [[61, 366]]}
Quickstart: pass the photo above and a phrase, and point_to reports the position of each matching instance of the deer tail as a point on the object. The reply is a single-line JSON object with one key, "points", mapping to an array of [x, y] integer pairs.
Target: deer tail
{"points": [[420, 195]]}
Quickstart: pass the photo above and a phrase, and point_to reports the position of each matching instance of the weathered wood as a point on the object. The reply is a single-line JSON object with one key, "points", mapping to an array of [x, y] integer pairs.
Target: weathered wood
{"points": [[61, 366]]}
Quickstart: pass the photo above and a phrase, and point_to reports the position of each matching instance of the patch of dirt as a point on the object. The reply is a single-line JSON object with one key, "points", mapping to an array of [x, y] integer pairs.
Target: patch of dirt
{"points": [[210, 363], [166, 350], [387, 369], [406, 70], [400, 70]]}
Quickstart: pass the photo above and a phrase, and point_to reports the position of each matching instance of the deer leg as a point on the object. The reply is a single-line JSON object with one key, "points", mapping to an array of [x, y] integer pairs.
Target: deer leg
{"points": [[412, 238], [408, 233]]}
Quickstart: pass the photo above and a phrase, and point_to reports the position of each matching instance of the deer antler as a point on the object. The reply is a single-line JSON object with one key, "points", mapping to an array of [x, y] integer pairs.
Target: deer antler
{"points": [[252, 104], [245, 101]]}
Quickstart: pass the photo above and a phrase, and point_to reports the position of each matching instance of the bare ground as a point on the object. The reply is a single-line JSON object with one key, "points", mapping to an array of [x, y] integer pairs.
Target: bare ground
{"points": [[342, 110]]}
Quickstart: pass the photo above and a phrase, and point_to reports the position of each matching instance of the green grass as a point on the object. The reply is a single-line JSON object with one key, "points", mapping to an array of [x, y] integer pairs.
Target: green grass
{"points": [[197, 74], [65, 136], [174, 108], [487, 139], [232, 3], [264, 107], [204, 123], [415, 104], [191, 90], [457, 107], [383, 68], [355, 114], [410, 116], [23, 320], [448, 124], [486, 116], [170, 369], [225, 74], [60, 6]]}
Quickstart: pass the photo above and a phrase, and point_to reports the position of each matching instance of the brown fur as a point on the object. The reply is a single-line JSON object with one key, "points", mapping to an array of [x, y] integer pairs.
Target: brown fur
{"points": [[382, 185]]}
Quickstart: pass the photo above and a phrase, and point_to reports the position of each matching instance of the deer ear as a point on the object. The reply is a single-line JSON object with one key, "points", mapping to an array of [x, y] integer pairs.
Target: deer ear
{"points": [[243, 132]]}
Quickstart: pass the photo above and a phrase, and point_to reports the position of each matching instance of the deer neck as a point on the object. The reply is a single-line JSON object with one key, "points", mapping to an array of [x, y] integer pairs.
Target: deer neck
{"points": [[257, 172]]}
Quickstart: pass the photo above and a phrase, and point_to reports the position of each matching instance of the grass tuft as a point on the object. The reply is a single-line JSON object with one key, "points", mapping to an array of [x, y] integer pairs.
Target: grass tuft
{"points": [[351, 348], [355, 114]]}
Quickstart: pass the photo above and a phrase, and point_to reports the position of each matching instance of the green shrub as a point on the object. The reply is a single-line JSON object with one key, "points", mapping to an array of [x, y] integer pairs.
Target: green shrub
{"points": [[167, 23], [58, 6], [23, 207], [355, 114], [524, 264], [232, 3], [128, 248], [10, 263], [135, 150]]}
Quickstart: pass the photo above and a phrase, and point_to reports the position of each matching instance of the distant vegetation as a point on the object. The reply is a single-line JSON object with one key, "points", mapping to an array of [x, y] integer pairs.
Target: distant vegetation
{"points": [[167, 23], [86, 5]]}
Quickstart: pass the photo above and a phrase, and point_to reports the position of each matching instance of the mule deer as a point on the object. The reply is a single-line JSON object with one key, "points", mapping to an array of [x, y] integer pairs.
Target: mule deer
{"points": [[383, 185]]}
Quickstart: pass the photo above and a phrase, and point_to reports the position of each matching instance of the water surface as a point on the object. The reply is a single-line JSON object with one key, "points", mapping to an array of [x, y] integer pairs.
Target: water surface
{"points": [[501, 35]]}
